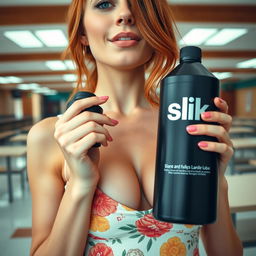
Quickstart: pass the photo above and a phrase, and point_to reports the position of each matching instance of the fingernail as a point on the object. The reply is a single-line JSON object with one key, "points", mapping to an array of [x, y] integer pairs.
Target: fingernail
{"points": [[191, 128], [110, 138], [202, 144], [103, 97], [221, 101], [114, 121], [207, 115]]}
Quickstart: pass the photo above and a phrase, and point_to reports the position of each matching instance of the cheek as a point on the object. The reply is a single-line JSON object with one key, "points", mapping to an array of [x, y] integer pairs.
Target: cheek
{"points": [[95, 30], [148, 52]]}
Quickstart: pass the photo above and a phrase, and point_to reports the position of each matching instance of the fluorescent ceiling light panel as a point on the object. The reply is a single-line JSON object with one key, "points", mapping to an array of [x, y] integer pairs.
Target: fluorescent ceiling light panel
{"points": [[55, 65], [42, 90], [226, 35], [24, 39], [34, 86], [52, 38], [247, 64], [45, 91], [197, 36], [14, 79], [70, 77], [222, 75], [3, 80], [51, 92], [70, 64], [10, 80], [31, 86], [23, 87]]}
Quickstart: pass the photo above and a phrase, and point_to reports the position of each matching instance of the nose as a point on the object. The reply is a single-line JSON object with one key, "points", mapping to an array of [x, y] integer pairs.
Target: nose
{"points": [[125, 17], [125, 20]]}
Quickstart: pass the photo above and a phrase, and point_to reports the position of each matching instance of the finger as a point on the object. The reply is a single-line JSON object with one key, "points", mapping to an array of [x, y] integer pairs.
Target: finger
{"points": [[210, 130], [222, 118], [83, 118], [82, 131], [222, 148], [80, 105], [221, 104], [82, 146]]}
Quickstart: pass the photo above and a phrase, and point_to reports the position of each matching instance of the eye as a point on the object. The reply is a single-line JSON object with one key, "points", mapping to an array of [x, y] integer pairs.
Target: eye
{"points": [[104, 5]]}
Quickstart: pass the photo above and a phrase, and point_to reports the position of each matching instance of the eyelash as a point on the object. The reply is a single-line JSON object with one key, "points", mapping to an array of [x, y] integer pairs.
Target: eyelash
{"points": [[102, 3]]}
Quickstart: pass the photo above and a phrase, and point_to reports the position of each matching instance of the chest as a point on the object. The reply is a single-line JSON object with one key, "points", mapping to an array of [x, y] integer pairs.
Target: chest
{"points": [[127, 165]]}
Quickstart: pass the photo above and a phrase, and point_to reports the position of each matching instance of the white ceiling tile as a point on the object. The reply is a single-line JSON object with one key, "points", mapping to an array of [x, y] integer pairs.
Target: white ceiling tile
{"points": [[246, 42]]}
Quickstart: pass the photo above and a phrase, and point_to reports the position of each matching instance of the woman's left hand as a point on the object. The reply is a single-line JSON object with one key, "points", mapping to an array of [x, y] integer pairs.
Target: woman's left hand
{"points": [[224, 145]]}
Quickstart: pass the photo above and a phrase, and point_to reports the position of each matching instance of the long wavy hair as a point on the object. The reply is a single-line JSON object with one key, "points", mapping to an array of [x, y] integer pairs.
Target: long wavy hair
{"points": [[156, 24]]}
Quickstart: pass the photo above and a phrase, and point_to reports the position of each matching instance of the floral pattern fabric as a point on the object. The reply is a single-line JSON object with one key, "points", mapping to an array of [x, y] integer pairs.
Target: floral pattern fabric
{"points": [[117, 230]]}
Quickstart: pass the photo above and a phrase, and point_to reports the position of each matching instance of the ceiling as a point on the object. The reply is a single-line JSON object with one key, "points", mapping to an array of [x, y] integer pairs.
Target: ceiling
{"points": [[29, 64]]}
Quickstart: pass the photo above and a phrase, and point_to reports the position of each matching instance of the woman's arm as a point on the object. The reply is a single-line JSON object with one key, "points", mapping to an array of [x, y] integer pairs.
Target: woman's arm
{"points": [[60, 217], [219, 238]]}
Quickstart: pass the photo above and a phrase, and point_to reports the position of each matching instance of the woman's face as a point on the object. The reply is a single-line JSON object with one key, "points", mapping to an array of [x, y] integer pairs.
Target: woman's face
{"points": [[113, 36]]}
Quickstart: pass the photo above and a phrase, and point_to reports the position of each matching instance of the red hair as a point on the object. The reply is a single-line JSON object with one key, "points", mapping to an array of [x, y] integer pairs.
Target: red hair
{"points": [[154, 21]]}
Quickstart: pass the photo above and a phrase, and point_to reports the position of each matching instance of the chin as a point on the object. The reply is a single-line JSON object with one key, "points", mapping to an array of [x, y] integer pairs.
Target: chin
{"points": [[128, 65], [125, 60], [131, 62]]}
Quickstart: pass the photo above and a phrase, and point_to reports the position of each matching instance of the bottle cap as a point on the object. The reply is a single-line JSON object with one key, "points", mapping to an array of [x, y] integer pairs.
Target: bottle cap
{"points": [[190, 54], [78, 96], [82, 94], [96, 108]]}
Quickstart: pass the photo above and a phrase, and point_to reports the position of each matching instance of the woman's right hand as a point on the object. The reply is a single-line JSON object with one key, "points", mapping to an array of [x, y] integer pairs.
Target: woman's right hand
{"points": [[76, 132]]}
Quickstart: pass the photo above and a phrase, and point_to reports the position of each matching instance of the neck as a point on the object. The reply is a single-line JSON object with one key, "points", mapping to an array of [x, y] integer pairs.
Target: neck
{"points": [[125, 89]]}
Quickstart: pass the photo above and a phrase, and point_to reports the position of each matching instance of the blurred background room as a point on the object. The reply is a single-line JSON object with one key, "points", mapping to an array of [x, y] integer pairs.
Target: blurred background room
{"points": [[35, 83]]}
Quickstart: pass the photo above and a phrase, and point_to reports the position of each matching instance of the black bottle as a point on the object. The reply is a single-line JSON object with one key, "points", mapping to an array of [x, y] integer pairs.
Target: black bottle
{"points": [[186, 177], [97, 109]]}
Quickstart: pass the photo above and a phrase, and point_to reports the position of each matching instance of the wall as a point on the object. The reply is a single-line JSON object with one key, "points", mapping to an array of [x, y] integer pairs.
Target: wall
{"points": [[246, 102], [6, 103], [230, 98], [27, 103], [241, 97]]}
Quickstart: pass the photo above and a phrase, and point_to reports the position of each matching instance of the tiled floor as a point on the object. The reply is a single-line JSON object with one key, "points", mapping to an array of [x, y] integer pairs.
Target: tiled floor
{"points": [[13, 216], [18, 215]]}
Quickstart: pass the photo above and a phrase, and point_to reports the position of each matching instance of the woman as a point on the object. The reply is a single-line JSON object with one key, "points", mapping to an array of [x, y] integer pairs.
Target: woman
{"points": [[98, 201]]}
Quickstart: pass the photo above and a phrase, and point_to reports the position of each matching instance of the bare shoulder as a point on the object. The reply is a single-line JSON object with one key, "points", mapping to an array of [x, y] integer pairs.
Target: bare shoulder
{"points": [[42, 131], [42, 147]]}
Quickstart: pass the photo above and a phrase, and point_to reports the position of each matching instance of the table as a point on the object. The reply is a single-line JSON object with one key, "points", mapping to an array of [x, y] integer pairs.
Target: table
{"points": [[8, 152], [241, 130], [19, 138], [242, 197], [242, 192], [244, 143], [26, 128], [250, 123], [6, 134], [8, 123]]}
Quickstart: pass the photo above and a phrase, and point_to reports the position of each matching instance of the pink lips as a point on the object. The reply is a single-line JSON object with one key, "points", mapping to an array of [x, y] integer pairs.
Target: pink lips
{"points": [[131, 35], [133, 39]]}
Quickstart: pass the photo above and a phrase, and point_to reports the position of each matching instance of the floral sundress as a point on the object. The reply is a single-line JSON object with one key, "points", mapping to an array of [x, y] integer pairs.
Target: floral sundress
{"points": [[117, 230]]}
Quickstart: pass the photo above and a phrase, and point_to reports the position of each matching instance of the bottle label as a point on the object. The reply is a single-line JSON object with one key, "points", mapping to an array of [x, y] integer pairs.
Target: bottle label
{"points": [[183, 169], [190, 109]]}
